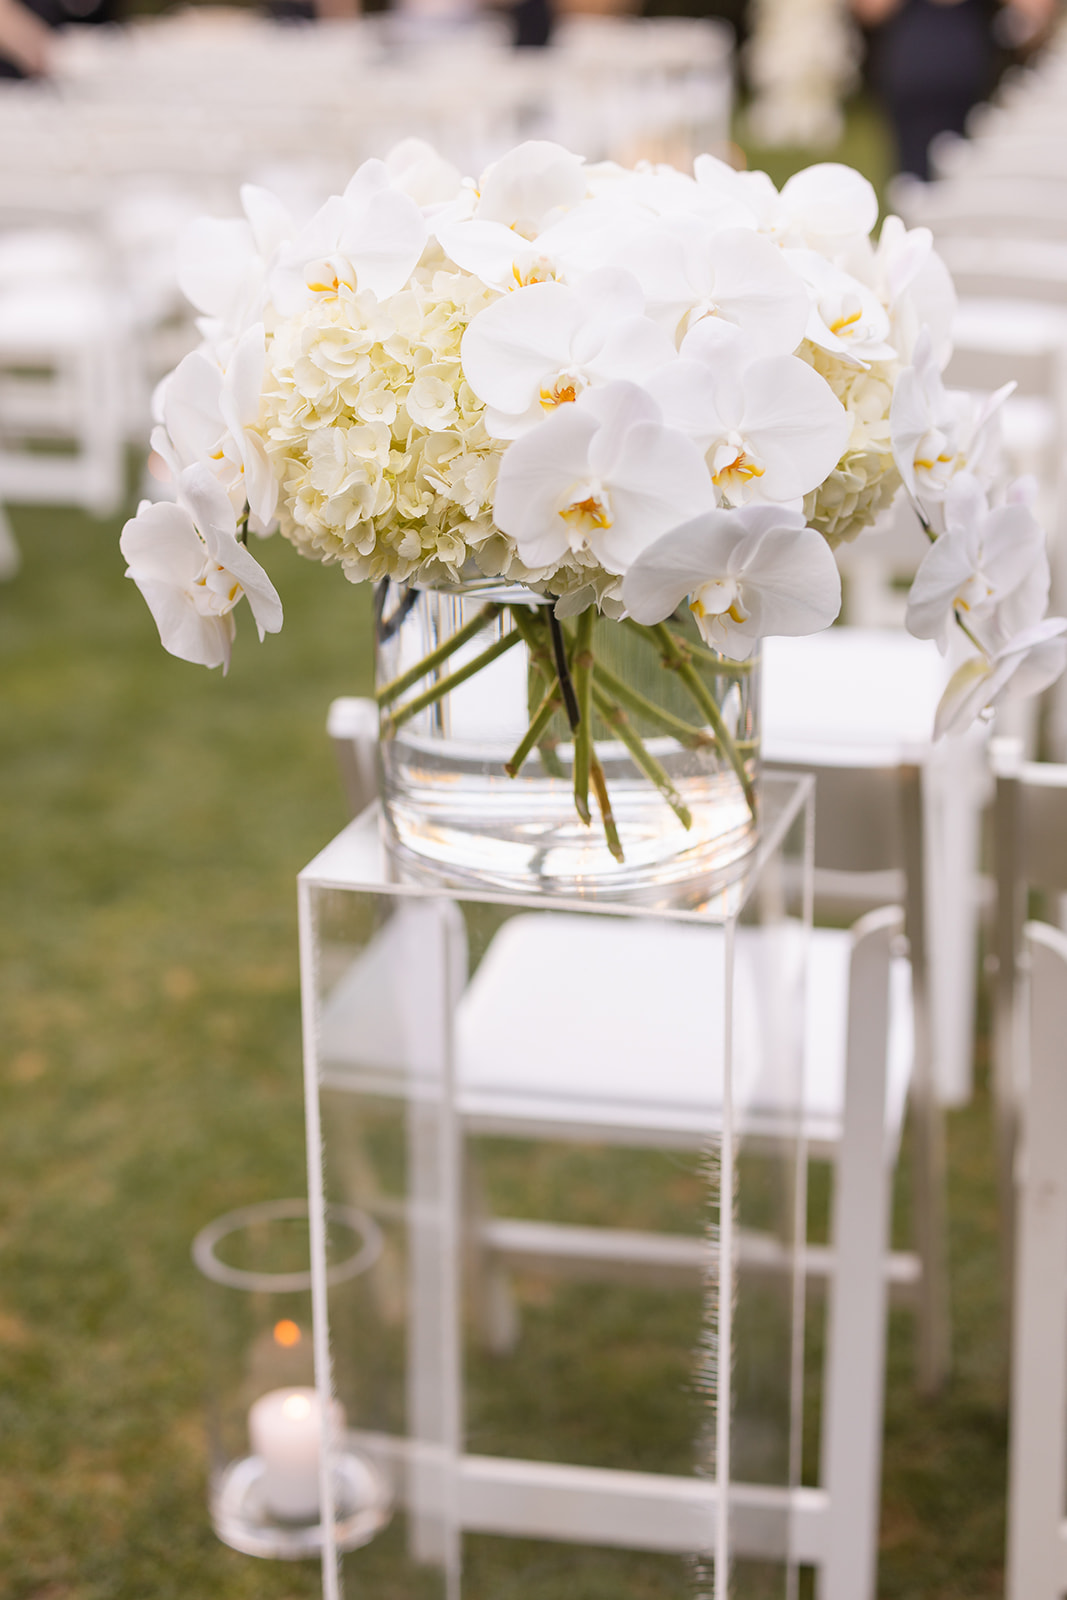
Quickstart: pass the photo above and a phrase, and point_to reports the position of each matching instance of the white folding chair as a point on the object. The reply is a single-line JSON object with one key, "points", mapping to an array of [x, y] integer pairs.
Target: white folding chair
{"points": [[1037, 1477], [62, 354]]}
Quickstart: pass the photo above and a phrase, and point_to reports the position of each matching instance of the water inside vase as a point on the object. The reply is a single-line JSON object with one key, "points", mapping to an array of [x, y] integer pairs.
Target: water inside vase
{"points": [[453, 812]]}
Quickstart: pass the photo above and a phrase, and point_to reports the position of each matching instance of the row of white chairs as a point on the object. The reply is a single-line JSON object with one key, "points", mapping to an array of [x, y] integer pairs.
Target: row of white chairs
{"points": [[203, 98], [145, 127]]}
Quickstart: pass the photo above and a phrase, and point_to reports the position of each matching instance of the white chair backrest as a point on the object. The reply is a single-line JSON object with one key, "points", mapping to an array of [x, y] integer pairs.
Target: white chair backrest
{"points": [[978, 206], [1007, 268]]}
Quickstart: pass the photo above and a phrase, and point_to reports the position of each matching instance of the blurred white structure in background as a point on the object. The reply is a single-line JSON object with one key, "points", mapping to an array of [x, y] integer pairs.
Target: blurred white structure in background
{"points": [[142, 128], [802, 61]]}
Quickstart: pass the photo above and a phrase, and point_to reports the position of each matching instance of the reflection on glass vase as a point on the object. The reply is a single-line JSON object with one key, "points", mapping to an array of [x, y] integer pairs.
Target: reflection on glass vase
{"points": [[585, 755]]}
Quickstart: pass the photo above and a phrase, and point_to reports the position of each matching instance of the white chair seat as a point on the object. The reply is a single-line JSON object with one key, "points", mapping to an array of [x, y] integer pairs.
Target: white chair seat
{"points": [[612, 1055], [870, 692], [59, 317]]}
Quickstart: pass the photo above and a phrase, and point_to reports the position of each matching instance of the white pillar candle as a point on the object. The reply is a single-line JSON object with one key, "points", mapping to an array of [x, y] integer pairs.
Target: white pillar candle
{"points": [[285, 1427]]}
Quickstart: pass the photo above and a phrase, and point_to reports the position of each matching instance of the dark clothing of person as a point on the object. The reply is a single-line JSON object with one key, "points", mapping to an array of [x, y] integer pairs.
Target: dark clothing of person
{"points": [[531, 23], [930, 65]]}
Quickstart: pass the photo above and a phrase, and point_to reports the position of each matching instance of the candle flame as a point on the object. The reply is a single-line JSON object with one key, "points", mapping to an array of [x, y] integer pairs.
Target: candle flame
{"points": [[287, 1334], [296, 1406]]}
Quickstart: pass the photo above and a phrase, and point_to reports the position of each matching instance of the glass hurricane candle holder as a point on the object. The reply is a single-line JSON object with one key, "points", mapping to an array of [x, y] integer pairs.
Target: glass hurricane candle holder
{"points": [[267, 1429]]}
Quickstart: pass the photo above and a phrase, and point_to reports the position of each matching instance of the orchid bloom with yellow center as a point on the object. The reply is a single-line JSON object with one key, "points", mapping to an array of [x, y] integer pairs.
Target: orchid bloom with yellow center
{"points": [[989, 564], [601, 476], [938, 433], [770, 427], [747, 574], [369, 238], [187, 562], [540, 347]]}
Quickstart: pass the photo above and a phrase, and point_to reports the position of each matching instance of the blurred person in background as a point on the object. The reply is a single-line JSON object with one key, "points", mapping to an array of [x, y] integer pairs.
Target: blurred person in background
{"points": [[932, 60], [24, 41]]}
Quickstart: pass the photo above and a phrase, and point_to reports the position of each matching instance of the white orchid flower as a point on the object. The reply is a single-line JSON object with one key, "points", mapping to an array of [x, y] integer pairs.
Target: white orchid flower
{"points": [[186, 560], [663, 191], [770, 426], [846, 316], [825, 208], [749, 574], [369, 238], [600, 478], [937, 432], [1020, 667], [689, 270], [494, 231], [223, 263], [540, 347], [208, 415], [989, 567], [751, 193], [915, 286]]}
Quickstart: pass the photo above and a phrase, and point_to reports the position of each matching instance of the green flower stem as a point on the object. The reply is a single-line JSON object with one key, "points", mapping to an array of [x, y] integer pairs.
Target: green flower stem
{"points": [[616, 718], [541, 661], [550, 704], [563, 670], [530, 628], [582, 661], [968, 634], [692, 738], [391, 691], [964, 629], [443, 686], [600, 789], [671, 652]]}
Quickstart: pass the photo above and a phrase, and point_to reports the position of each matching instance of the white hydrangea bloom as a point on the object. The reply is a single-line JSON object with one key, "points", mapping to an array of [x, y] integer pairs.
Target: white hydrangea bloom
{"points": [[377, 438], [864, 481]]}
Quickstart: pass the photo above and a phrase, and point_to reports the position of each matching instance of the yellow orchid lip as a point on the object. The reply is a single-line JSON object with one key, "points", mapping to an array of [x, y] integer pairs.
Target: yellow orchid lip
{"points": [[590, 512], [561, 394], [740, 467], [845, 322]]}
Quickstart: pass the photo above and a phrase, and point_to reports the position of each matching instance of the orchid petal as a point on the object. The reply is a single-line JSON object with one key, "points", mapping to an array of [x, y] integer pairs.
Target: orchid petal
{"points": [[525, 187], [830, 201], [217, 259]]}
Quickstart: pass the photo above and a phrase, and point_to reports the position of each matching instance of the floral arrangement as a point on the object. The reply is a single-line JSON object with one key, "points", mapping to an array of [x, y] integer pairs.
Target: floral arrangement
{"points": [[625, 390]]}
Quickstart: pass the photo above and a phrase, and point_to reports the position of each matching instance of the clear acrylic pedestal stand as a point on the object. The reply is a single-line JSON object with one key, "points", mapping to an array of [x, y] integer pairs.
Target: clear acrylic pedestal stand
{"points": [[576, 1363]]}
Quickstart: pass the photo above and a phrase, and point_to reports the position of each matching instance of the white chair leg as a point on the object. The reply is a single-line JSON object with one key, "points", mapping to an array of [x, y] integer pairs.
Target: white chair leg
{"points": [[856, 1331], [1037, 1556]]}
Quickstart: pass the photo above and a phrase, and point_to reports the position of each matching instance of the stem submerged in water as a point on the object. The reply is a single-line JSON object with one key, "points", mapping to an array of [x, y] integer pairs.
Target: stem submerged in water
{"points": [[583, 688], [675, 655], [575, 682], [442, 687], [421, 669]]}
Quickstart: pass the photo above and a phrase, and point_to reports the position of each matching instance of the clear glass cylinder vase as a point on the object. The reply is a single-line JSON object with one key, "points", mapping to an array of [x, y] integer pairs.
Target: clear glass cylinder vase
{"points": [[466, 676]]}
